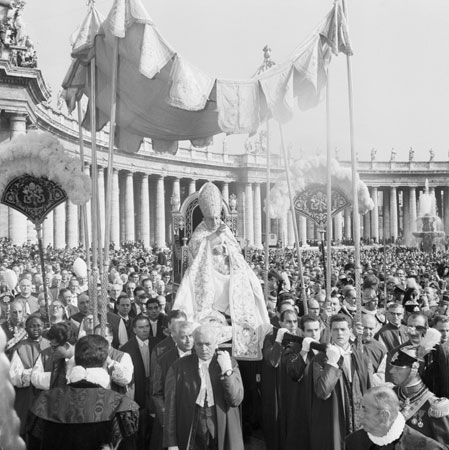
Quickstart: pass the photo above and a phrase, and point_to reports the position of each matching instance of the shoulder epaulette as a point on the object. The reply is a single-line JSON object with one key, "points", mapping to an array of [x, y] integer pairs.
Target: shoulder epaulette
{"points": [[439, 407]]}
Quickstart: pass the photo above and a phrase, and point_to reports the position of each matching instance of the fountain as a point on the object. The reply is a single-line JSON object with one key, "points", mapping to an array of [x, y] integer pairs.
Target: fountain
{"points": [[428, 224]]}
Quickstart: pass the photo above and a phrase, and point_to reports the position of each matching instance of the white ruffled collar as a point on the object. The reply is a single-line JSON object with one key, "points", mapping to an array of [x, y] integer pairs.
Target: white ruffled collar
{"points": [[95, 375], [393, 434]]}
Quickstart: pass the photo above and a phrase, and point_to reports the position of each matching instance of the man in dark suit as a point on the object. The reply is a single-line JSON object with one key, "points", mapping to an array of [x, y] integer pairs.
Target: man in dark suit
{"points": [[394, 333], [158, 321], [384, 427], [138, 348], [125, 331], [203, 392], [182, 334], [65, 297], [168, 343]]}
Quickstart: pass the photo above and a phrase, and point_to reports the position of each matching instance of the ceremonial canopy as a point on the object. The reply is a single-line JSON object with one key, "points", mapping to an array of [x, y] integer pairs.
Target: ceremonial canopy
{"points": [[162, 96]]}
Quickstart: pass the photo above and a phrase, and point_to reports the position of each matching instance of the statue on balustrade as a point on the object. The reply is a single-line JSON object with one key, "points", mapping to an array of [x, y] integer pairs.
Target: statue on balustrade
{"points": [[219, 287], [393, 155], [373, 154], [431, 155], [411, 154]]}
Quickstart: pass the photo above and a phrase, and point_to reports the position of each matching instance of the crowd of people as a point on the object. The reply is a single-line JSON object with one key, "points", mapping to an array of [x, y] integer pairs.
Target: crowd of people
{"points": [[155, 380]]}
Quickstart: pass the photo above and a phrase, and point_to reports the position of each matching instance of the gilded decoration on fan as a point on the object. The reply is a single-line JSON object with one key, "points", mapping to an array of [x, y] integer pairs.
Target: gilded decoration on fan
{"points": [[312, 203], [34, 197]]}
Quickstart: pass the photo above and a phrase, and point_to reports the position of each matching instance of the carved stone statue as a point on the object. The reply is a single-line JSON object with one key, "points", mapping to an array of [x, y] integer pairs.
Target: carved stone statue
{"points": [[373, 154], [393, 155], [14, 42], [431, 155], [233, 202], [411, 154]]}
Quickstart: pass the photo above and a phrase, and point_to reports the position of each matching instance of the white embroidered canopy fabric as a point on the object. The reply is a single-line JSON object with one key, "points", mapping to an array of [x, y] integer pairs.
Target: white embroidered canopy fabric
{"points": [[163, 97]]}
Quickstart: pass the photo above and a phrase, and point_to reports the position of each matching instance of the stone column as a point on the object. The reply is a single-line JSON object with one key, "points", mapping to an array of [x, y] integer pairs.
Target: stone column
{"points": [[3, 221], [310, 230], [446, 210], [160, 212], [101, 202], [386, 213], [348, 224], [394, 213], [31, 230], [176, 191], [115, 210], [438, 201], [406, 215], [129, 208], [366, 225], [59, 221], [302, 229], [241, 214], [72, 224], [17, 222], [290, 232], [192, 187], [412, 209], [375, 215], [225, 191], [338, 222], [258, 218], [249, 214], [144, 211], [88, 213], [47, 230], [283, 229]]}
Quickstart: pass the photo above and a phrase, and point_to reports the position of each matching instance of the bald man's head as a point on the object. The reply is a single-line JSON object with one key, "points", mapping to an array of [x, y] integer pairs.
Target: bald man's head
{"points": [[205, 341], [369, 324]]}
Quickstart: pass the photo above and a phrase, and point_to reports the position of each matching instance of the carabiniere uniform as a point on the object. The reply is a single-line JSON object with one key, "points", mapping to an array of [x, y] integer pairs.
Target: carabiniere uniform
{"points": [[423, 410]]}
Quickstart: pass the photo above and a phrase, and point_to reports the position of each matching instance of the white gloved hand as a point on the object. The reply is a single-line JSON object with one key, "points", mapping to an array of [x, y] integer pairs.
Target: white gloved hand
{"points": [[26, 377], [224, 360], [280, 334], [306, 344], [333, 354]]}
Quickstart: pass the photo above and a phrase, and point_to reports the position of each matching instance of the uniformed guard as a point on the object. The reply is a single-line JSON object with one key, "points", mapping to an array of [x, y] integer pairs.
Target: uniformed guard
{"points": [[422, 410]]}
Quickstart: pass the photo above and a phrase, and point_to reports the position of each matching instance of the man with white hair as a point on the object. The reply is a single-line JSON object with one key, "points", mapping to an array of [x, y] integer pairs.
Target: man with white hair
{"points": [[203, 392], [384, 427], [28, 300]]}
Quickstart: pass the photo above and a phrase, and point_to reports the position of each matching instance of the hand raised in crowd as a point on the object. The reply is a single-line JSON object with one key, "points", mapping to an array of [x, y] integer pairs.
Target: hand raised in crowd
{"points": [[333, 354], [306, 344], [224, 360], [280, 334]]}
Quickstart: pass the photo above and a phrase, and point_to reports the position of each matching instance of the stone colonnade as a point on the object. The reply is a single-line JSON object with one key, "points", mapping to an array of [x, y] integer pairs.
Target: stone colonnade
{"points": [[141, 211]]}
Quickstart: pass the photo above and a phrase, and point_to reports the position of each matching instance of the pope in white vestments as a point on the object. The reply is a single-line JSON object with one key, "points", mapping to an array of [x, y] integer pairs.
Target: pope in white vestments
{"points": [[219, 286]]}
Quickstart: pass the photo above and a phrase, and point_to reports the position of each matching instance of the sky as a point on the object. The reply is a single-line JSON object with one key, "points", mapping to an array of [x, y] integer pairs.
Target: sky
{"points": [[400, 64]]}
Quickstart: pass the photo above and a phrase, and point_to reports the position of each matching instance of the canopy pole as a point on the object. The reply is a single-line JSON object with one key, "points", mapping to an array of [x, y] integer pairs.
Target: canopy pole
{"points": [[108, 206], [355, 198], [83, 208], [295, 224], [42, 261], [267, 215], [329, 194], [94, 203]]}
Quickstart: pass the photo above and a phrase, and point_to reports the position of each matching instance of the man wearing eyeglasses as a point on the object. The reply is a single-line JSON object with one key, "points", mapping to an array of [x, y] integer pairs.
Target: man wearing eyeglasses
{"points": [[417, 325], [393, 333]]}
